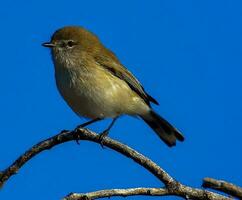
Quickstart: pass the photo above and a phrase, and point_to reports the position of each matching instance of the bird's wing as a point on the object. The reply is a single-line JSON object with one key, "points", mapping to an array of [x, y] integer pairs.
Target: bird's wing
{"points": [[118, 70]]}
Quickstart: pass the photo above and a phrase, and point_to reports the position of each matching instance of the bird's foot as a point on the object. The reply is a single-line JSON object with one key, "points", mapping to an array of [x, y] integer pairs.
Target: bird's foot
{"points": [[102, 136], [76, 134]]}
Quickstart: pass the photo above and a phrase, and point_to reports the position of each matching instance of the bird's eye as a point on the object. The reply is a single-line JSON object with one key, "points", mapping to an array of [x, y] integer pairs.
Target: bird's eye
{"points": [[70, 43]]}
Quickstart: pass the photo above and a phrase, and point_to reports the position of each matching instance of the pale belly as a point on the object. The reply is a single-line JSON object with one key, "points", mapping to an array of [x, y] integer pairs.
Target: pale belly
{"points": [[98, 95]]}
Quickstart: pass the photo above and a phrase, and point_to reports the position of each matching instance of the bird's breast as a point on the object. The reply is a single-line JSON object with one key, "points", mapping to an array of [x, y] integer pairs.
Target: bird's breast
{"points": [[96, 93]]}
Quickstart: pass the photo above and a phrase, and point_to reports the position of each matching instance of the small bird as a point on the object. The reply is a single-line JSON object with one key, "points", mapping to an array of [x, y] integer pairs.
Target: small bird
{"points": [[96, 85]]}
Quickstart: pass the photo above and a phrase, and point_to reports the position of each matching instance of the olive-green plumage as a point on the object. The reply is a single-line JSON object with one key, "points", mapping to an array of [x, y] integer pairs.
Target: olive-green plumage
{"points": [[96, 85]]}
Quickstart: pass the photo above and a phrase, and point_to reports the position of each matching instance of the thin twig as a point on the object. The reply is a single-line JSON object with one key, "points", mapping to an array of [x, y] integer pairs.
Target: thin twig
{"points": [[223, 186]]}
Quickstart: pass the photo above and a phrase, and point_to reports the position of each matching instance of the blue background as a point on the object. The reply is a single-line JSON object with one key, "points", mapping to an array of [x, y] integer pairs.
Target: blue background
{"points": [[187, 54]]}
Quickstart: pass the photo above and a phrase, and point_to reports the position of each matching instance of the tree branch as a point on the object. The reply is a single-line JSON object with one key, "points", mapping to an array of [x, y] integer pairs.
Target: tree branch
{"points": [[172, 186], [118, 192], [223, 186], [84, 134]]}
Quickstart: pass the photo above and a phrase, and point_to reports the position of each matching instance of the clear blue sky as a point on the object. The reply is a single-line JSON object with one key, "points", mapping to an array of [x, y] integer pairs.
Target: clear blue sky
{"points": [[187, 54]]}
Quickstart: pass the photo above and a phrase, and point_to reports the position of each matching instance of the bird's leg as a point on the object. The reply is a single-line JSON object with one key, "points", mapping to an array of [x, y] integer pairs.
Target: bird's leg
{"points": [[106, 131], [86, 124], [89, 122]]}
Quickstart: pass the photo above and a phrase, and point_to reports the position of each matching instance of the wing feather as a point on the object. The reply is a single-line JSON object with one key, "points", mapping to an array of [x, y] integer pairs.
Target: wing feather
{"points": [[118, 70]]}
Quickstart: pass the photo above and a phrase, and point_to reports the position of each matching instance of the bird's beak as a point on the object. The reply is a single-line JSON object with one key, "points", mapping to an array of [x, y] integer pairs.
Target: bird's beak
{"points": [[48, 44]]}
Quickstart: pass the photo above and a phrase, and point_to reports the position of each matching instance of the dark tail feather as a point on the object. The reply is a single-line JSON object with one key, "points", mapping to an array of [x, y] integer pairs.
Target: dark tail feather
{"points": [[163, 128]]}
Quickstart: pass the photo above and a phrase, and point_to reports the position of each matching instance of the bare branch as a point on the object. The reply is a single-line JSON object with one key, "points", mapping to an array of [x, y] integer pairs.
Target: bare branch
{"points": [[172, 186], [84, 134], [185, 192], [118, 192], [223, 186]]}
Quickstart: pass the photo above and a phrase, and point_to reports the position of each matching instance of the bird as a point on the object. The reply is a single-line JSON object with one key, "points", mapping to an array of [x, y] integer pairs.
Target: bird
{"points": [[95, 84]]}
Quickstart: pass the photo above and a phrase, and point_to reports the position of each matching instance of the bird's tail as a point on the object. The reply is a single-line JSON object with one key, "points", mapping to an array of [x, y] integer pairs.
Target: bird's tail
{"points": [[163, 128]]}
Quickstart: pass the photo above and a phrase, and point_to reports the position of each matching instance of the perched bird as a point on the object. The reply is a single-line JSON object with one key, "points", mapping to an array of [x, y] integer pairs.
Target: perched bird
{"points": [[96, 85]]}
